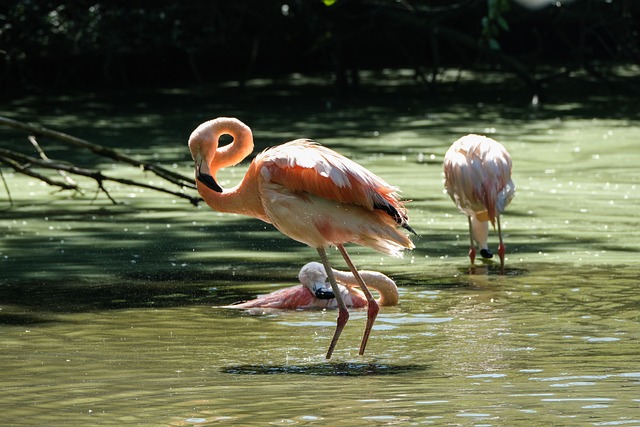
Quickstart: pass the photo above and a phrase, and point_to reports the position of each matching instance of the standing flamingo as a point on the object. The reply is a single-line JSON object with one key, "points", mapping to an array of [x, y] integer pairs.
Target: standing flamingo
{"points": [[308, 192], [477, 177], [315, 292]]}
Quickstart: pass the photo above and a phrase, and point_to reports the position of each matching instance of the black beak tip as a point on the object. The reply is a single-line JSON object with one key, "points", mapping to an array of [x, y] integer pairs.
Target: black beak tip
{"points": [[324, 294], [209, 182], [486, 253]]}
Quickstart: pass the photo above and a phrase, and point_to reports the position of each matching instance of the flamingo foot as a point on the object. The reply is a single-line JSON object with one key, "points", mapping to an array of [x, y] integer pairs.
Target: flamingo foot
{"points": [[343, 317], [372, 313], [501, 252], [472, 254]]}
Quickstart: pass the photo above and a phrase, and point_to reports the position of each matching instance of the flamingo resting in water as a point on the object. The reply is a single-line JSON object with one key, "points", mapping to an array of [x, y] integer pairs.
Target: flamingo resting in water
{"points": [[477, 177], [308, 192], [314, 291]]}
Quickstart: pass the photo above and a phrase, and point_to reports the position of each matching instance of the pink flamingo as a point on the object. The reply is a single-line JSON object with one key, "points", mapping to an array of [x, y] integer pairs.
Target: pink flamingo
{"points": [[477, 177], [308, 192], [314, 291]]}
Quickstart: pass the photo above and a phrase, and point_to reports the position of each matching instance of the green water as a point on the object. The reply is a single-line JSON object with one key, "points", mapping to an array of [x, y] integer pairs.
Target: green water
{"points": [[108, 314]]}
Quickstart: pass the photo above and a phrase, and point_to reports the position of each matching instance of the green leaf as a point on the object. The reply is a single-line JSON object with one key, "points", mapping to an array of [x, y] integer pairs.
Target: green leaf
{"points": [[503, 23], [493, 44]]}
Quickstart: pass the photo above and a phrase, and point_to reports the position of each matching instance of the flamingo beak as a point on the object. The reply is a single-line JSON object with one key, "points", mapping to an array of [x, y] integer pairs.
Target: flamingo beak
{"points": [[322, 290], [208, 180], [204, 176]]}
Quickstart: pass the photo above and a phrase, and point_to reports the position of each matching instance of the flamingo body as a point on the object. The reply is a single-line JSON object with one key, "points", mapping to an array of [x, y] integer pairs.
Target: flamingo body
{"points": [[313, 279], [303, 183], [310, 193], [294, 297], [477, 173]]}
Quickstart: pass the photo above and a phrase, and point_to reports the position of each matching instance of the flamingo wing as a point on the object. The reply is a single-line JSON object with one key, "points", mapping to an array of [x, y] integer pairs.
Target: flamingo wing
{"points": [[498, 178], [355, 298], [292, 297], [305, 166], [478, 176]]}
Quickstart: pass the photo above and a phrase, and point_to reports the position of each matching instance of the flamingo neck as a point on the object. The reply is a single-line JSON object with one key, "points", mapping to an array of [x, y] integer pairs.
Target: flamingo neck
{"points": [[382, 284], [204, 143], [244, 198], [233, 153]]}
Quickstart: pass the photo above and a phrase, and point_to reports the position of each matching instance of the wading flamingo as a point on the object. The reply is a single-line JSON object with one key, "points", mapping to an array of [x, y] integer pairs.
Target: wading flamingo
{"points": [[314, 291], [477, 177], [308, 192]]}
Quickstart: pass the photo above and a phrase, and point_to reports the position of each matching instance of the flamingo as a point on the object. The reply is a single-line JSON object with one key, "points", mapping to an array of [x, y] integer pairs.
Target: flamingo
{"points": [[311, 194], [315, 292], [477, 177]]}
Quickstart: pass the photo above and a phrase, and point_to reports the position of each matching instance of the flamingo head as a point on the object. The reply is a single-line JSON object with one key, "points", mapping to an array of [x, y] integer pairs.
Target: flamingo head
{"points": [[313, 277], [204, 144], [200, 152]]}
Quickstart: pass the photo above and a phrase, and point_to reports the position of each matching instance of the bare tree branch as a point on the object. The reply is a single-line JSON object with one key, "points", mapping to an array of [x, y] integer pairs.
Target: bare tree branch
{"points": [[27, 165], [24, 164], [100, 150]]}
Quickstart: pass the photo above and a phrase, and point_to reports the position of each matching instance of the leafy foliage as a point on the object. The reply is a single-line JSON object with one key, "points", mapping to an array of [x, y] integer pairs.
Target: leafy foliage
{"points": [[49, 45], [495, 22]]}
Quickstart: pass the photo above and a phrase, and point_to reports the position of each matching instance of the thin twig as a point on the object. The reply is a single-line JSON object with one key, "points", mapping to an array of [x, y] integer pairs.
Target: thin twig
{"points": [[6, 187], [44, 156], [25, 168]]}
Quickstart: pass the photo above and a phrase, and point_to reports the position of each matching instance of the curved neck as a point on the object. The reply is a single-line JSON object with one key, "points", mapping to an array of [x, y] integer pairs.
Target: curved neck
{"points": [[205, 138], [381, 283]]}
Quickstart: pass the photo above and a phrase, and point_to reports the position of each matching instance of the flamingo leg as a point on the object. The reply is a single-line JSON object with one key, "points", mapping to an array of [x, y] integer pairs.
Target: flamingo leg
{"points": [[343, 313], [372, 308], [472, 247], [501, 248]]}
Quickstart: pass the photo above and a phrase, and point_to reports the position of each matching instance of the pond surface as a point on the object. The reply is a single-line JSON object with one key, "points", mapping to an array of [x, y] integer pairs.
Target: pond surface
{"points": [[109, 314]]}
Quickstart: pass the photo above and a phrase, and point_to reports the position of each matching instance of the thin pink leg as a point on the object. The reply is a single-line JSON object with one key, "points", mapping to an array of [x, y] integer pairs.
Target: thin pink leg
{"points": [[501, 248], [472, 247], [372, 308], [343, 313]]}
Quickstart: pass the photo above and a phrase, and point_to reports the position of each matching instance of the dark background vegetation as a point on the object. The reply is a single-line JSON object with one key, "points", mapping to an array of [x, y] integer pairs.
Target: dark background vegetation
{"points": [[49, 47]]}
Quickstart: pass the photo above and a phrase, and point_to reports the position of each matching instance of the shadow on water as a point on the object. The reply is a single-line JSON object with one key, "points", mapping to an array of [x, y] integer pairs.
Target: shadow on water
{"points": [[491, 268], [128, 256], [81, 283], [95, 265], [15, 319], [325, 369], [162, 119]]}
